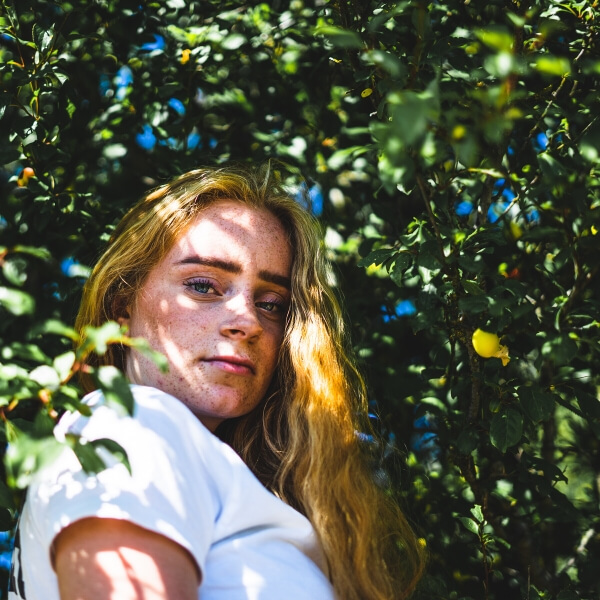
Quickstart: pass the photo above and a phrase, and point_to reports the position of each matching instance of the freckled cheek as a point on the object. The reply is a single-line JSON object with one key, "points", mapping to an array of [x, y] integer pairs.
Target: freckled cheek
{"points": [[278, 338], [175, 321], [185, 337], [273, 348]]}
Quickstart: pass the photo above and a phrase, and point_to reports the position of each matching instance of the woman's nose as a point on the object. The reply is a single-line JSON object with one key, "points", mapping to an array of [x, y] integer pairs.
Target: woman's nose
{"points": [[241, 318]]}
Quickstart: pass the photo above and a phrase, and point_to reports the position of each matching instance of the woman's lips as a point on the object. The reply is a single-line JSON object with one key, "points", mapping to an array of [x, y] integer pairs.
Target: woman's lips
{"points": [[232, 364]]}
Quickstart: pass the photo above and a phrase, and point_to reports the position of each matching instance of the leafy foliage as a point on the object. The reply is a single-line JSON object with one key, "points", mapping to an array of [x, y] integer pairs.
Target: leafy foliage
{"points": [[451, 150]]}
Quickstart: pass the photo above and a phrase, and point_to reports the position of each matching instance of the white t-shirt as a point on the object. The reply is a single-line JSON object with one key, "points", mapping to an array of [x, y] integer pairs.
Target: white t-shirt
{"points": [[186, 485]]}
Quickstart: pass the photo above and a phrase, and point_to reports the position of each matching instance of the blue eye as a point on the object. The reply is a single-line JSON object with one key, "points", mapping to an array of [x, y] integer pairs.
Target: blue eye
{"points": [[202, 286], [271, 307]]}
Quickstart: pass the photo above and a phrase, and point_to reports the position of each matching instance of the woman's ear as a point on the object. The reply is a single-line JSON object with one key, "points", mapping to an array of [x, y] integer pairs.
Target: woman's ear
{"points": [[121, 312], [124, 320]]}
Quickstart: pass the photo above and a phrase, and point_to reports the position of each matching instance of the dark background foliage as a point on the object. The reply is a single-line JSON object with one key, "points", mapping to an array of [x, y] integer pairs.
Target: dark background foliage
{"points": [[451, 151]]}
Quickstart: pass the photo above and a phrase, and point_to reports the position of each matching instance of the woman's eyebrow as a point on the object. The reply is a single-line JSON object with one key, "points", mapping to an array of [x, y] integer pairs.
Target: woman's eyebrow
{"points": [[224, 265], [281, 280], [233, 267]]}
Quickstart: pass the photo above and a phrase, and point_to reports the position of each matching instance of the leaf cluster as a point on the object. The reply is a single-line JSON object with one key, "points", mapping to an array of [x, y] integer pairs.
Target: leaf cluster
{"points": [[451, 152]]}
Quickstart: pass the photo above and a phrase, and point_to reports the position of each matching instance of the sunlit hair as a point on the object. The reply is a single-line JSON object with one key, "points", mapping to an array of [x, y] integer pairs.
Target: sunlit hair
{"points": [[301, 441]]}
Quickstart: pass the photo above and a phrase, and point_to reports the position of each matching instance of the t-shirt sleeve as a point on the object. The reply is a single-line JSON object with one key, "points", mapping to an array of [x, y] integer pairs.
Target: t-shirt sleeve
{"points": [[169, 490]]}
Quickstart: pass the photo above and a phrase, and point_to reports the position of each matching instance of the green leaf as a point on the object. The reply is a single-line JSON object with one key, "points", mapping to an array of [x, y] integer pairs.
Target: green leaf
{"points": [[53, 326], [568, 595], [469, 524], [386, 60], [12, 372], [551, 167], [551, 472], [428, 256], [8, 153], [29, 352], [191, 38], [412, 114], [26, 455], [42, 38], [397, 172], [471, 264], [377, 257], [472, 287], [402, 262], [67, 397], [87, 456], [142, 346], [499, 65], [589, 404], [341, 157], [340, 38], [98, 338], [506, 428], [537, 404], [589, 146], [89, 453], [467, 441], [38, 252], [45, 376], [477, 513], [497, 38], [377, 20], [14, 269], [433, 402], [560, 349], [516, 20], [115, 387], [552, 65], [114, 448], [16, 302], [473, 304], [233, 41], [63, 364], [115, 151], [538, 234]]}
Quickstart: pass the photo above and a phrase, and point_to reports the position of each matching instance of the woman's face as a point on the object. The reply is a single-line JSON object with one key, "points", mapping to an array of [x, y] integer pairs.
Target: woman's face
{"points": [[216, 307]]}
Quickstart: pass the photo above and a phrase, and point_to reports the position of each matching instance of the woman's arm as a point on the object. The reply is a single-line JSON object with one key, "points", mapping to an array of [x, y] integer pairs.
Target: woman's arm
{"points": [[109, 559]]}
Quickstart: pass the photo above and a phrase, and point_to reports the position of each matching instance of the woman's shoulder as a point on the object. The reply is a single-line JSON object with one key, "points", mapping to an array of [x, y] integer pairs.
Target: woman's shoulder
{"points": [[159, 425], [163, 458], [152, 409], [165, 442], [146, 399]]}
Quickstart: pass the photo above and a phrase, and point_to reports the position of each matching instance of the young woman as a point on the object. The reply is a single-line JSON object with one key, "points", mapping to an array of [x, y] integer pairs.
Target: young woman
{"points": [[224, 274]]}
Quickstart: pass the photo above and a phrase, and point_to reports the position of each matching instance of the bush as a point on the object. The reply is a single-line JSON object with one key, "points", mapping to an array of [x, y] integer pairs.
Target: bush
{"points": [[451, 151]]}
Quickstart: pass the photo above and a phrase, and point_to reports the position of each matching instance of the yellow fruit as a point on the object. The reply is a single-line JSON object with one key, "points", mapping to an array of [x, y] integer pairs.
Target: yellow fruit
{"points": [[515, 230], [459, 132], [26, 174], [488, 345], [485, 344]]}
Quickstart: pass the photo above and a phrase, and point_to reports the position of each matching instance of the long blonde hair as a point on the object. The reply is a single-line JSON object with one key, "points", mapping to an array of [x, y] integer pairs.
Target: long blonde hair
{"points": [[301, 441]]}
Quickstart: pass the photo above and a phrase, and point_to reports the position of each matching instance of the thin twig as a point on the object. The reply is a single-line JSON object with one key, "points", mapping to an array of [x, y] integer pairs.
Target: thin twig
{"points": [[434, 225]]}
